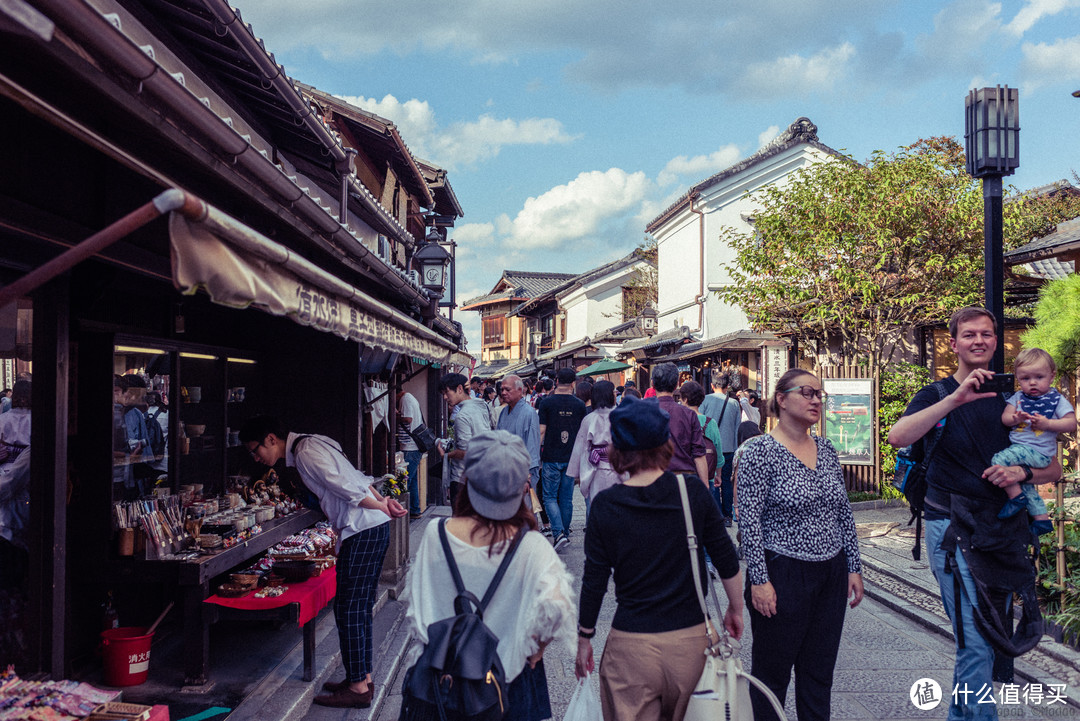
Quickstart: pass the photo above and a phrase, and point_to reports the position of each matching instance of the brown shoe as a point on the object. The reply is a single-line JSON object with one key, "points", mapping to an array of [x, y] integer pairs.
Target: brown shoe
{"points": [[335, 686], [344, 698]]}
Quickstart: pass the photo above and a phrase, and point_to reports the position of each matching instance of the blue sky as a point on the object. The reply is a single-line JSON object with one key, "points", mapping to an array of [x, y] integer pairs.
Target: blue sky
{"points": [[566, 125]]}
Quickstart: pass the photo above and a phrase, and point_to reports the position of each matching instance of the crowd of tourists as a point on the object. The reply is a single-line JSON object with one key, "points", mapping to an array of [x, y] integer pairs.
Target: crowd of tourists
{"points": [[662, 476]]}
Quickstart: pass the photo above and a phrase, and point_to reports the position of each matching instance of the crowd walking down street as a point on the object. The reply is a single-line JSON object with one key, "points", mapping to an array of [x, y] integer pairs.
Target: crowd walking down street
{"points": [[883, 648], [896, 637]]}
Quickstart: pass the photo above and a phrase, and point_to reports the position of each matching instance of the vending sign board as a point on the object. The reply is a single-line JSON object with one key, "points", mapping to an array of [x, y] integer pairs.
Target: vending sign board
{"points": [[849, 419]]}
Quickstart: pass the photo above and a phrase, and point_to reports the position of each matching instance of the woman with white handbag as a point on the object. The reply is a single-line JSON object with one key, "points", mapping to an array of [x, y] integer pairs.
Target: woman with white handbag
{"points": [[801, 550], [655, 652]]}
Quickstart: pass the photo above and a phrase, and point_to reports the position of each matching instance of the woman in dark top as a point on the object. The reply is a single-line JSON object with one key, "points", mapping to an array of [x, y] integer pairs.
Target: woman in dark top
{"points": [[655, 650], [801, 551]]}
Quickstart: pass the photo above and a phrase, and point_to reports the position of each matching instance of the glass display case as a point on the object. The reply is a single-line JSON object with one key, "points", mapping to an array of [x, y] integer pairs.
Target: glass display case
{"points": [[198, 398]]}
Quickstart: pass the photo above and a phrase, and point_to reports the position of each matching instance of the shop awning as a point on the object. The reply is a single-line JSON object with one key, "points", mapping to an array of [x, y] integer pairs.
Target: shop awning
{"points": [[239, 268], [604, 365]]}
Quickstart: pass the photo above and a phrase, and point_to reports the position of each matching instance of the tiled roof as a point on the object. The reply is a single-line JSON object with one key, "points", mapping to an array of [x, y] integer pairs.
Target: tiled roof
{"points": [[522, 284], [1060, 186], [578, 281], [567, 349], [617, 333], [534, 283], [380, 138], [738, 340], [671, 336], [1065, 238], [801, 131]]}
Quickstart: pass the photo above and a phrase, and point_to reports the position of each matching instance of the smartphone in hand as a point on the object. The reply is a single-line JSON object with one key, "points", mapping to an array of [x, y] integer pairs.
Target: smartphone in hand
{"points": [[1000, 383]]}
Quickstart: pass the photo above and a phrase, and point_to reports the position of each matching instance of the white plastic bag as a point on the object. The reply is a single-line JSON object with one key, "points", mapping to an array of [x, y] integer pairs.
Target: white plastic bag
{"points": [[585, 703]]}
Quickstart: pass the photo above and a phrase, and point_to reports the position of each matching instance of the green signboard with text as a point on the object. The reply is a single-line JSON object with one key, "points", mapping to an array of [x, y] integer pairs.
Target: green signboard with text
{"points": [[849, 418]]}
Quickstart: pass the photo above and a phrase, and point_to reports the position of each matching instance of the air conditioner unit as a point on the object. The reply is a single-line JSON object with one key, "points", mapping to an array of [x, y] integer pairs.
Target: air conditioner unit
{"points": [[384, 248]]}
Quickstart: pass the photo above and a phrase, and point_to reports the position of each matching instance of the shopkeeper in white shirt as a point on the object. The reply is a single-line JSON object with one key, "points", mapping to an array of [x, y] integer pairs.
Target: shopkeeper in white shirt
{"points": [[360, 517]]}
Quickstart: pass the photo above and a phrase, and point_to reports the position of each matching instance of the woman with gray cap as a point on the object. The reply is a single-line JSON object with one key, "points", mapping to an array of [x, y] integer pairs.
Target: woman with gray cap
{"points": [[655, 651], [534, 602]]}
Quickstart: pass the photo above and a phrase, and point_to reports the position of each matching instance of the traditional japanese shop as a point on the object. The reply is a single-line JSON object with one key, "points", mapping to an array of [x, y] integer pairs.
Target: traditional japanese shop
{"points": [[183, 237]]}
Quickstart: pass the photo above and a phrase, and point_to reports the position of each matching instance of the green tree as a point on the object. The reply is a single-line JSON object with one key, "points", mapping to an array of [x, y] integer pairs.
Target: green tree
{"points": [[860, 253], [642, 287], [1057, 323]]}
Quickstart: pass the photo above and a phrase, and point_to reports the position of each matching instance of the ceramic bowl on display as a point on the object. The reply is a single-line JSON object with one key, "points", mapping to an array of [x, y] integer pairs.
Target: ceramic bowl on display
{"points": [[195, 430]]}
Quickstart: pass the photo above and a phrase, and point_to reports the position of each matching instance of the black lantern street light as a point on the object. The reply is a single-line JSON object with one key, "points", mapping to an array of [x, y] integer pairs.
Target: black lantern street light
{"points": [[992, 145], [431, 260]]}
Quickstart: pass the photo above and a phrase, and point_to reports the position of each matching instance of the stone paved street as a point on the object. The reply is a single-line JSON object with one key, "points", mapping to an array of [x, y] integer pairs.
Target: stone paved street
{"points": [[883, 651]]}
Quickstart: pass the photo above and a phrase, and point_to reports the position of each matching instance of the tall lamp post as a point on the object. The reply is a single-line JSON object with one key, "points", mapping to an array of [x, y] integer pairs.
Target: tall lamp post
{"points": [[992, 145]]}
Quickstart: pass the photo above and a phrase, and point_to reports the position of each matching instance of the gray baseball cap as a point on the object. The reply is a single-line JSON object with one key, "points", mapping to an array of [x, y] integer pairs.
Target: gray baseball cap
{"points": [[496, 471]]}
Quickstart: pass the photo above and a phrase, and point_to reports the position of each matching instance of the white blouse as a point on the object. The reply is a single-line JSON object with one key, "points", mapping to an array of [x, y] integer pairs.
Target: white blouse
{"points": [[535, 600]]}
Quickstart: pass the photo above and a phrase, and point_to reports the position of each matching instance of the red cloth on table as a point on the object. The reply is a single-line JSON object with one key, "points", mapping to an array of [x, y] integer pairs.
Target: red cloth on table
{"points": [[312, 595]]}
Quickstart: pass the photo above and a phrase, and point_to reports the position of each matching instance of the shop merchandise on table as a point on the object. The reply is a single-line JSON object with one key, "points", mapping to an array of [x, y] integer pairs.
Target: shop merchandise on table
{"points": [[49, 700], [185, 525], [293, 560]]}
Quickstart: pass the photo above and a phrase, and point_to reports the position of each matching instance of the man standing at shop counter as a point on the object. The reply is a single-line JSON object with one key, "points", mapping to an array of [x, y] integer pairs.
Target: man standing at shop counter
{"points": [[360, 517]]}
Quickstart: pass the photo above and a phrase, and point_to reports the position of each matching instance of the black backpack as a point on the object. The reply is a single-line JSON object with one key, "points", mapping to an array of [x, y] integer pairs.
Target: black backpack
{"points": [[459, 672], [155, 435], [910, 475]]}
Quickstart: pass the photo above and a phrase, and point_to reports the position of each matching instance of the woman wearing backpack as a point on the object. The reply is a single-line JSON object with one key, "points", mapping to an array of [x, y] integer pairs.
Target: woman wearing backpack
{"points": [[801, 550], [655, 651], [533, 603]]}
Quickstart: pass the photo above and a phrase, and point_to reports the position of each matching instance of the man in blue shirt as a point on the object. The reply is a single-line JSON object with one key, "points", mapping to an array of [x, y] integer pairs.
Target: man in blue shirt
{"points": [[520, 419]]}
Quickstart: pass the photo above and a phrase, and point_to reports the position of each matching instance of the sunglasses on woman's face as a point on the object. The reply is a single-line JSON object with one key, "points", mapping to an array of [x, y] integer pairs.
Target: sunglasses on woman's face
{"points": [[808, 392]]}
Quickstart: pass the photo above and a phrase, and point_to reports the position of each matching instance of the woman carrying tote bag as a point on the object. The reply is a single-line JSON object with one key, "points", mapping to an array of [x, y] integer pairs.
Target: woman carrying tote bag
{"points": [[801, 550], [655, 651]]}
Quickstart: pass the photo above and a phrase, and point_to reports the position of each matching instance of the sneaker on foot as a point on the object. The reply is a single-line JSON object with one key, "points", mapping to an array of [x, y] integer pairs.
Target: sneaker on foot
{"points": [[560, 541], [546, 530]]}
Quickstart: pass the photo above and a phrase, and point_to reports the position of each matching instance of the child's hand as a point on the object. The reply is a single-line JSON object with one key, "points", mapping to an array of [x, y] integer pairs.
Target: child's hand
{"points": [[1038, 423]]}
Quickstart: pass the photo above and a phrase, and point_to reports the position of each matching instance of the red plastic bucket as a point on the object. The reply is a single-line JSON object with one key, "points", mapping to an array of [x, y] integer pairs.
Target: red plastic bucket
{"points": [[127, 655]]}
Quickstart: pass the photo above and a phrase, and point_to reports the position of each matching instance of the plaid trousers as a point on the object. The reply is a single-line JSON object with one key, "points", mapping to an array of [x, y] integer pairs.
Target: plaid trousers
{"points": [[358, 567]]}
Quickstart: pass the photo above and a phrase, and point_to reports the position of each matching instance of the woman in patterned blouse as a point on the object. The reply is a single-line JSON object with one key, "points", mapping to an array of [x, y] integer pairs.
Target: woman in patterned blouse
{"points": [[801, 550]]}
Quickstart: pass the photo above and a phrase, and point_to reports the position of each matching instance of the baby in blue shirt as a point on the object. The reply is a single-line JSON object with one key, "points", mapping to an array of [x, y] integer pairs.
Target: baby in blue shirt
{"points": [[1036, 413]]}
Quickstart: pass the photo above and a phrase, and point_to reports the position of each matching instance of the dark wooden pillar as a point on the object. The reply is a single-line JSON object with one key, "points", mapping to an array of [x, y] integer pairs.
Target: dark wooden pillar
{"points": [[48, 490]]}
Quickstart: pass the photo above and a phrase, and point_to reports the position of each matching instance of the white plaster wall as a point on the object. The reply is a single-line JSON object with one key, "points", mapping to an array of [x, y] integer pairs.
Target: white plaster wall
{"points": [[678, 266], [724, 205], [596, 306], [577, 317]]}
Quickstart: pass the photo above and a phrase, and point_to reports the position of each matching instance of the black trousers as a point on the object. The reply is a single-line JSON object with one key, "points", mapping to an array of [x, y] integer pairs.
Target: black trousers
{"points": [[804, 634]]}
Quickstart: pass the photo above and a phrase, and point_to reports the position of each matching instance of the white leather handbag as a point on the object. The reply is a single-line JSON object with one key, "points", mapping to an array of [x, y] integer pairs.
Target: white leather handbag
{"points": [[723, 691]]}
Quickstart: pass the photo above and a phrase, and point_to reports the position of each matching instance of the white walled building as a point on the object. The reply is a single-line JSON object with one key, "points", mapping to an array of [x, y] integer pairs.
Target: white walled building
{"points": [[594, 302], [690, 253]]}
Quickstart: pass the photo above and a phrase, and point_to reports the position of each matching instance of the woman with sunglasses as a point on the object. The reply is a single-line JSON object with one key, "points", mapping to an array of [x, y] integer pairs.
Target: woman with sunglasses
{"points": [[802, 554]]}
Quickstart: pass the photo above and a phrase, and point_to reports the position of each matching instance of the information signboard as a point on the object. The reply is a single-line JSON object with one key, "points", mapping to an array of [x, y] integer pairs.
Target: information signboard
{"points": [[849, 419]]}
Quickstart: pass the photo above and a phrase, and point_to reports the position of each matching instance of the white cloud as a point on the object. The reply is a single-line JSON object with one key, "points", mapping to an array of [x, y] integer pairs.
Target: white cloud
{"points": [[767, 135], [460, 144], [474, 233], [1035, 10], [610, 44], [796, 74], [482, 139], [698, 167], [1046, 63], [575, 210]]}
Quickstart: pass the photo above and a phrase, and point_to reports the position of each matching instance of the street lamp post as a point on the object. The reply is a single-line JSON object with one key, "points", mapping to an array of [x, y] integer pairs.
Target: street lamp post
{"points": [[992, 146]]}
